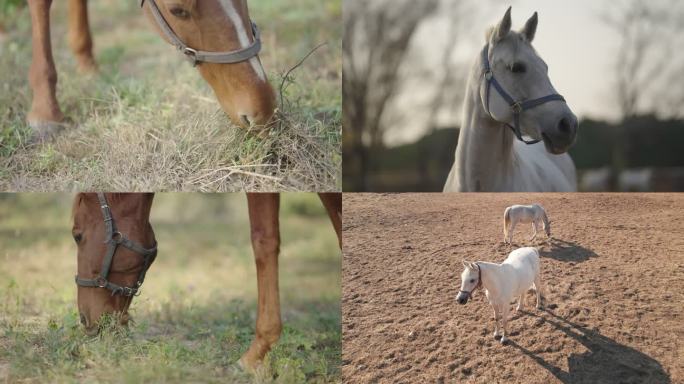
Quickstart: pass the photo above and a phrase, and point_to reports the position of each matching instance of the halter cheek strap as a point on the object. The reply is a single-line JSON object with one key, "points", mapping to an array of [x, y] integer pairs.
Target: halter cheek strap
{"points": [[517, 107], [114, 239], [198, 56]]}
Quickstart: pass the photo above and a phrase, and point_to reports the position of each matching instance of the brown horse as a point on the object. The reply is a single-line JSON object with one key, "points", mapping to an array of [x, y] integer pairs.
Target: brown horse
{"points": [[241, 87], [116, 245]]}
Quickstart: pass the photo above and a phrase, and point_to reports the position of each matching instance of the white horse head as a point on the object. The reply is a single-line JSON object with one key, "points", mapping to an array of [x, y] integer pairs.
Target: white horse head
{"points": [[471, 278], [524, 76]]}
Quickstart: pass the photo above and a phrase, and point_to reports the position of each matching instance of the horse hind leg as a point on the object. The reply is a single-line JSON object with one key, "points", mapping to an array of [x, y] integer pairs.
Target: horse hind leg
{"points": [[80, 39], [521, 301], [504, 321], [510, 232], [537, 291]]}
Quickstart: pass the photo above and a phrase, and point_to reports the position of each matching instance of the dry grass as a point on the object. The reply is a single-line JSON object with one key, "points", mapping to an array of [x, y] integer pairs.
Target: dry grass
{"points": [[148, 122]]}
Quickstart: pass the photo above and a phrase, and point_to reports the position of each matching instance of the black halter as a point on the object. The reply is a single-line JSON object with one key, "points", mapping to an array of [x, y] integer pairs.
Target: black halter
{"points": [[516, 106], [113, 239], [197, 56]]}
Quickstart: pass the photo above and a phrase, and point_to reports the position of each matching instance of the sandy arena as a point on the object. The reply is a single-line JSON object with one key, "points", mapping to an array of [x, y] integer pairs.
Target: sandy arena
{"points": [[613, 277]]}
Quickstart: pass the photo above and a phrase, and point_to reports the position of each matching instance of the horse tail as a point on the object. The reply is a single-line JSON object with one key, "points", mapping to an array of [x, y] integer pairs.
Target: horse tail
{"points": [[507, 221]]}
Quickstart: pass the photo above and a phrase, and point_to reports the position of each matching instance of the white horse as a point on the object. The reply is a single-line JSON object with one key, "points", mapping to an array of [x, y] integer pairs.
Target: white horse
{"points": [[502, 282], [491, 157], [525, 214]]}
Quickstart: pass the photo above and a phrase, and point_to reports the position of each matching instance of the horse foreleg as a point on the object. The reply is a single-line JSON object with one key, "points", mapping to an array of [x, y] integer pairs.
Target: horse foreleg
{"points": [[534, 230], [333, 204], [80, 39], [263, 216], [45, 117]]}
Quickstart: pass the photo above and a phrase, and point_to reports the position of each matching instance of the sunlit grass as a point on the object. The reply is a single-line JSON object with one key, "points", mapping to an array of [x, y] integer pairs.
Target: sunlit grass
{"points": [[196, 314]]}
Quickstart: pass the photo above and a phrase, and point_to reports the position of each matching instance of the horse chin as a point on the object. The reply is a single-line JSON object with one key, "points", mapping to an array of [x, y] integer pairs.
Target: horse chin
{"points": [[550, 147]]}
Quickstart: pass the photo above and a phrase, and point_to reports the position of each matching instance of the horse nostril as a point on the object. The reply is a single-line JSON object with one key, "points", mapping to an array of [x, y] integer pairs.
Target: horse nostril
{"points": [[564, 125], [567, 125]]}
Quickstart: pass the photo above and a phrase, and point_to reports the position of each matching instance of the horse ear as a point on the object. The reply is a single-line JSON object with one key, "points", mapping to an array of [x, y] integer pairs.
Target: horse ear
{"points": [[465, 263], [503, 28], [530, 28]]}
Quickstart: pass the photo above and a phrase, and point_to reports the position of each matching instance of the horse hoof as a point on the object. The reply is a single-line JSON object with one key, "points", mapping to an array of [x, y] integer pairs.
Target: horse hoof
{"points": [[504, 341], [42, 131]]}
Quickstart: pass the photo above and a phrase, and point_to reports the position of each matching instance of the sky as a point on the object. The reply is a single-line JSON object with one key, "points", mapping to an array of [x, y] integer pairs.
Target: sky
{"points": [[571, 38]]}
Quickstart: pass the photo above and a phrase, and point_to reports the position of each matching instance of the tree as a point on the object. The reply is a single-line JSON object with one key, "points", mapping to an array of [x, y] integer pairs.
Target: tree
{"points": [[649, 58], [377, 34]]}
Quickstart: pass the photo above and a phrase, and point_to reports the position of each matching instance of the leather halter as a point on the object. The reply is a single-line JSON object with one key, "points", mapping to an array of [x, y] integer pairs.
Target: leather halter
{"points": [[517, 107], [114, 239], [479, 282], [198, 56]]}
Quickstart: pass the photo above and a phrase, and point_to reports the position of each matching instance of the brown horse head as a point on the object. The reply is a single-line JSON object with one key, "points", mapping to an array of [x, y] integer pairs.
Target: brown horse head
{"points": [[221, 26], [131, 219]]}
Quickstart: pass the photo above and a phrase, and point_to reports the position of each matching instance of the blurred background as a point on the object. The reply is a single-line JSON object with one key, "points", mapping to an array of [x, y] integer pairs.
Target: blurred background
{"points": [[195, 316], [619, 64]]}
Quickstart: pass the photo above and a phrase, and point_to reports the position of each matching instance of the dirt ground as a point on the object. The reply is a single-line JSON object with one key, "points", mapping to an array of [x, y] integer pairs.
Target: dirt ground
{"points": [[613, 276]]}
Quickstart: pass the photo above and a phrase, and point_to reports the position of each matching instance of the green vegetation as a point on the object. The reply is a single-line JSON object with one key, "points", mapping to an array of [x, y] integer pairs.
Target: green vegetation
{"points": [[196, 314], [147, 121]]}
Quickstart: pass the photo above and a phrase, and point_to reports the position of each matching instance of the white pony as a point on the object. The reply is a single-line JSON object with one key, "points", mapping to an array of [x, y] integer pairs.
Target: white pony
{"points": [[492, 157], [525, 214], [502, 282]]}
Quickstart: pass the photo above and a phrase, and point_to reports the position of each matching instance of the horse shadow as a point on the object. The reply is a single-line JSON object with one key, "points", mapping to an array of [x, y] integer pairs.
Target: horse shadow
{"points": [[606, 360], [567, 251]]}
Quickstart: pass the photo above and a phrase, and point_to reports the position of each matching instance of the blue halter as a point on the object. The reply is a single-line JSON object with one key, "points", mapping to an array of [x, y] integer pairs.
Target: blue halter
{"points": [[516, 106]]}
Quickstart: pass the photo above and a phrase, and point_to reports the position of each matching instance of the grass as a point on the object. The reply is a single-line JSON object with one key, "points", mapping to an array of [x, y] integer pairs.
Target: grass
{"points": [[147, 121], [196, 314]]}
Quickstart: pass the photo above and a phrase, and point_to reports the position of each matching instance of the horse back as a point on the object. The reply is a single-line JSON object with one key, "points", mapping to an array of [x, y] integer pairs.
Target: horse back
{"points": [[525, 263]]}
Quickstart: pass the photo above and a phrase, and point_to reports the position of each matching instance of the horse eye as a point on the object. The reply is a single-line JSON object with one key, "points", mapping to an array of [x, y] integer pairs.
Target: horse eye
{"points": [[78, 237], [180, 12], [517, 68], [472, 280]]}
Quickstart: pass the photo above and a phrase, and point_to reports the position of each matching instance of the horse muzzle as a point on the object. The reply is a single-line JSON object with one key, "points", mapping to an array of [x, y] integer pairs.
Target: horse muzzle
{"points": [[559, 139], [462, 297]]}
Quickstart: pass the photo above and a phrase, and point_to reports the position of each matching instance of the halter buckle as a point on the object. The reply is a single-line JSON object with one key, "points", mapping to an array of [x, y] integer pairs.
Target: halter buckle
{"points": [[101, 282], [127, 291], [488, 75], [517, 107], [117, 237], [191, 55]]}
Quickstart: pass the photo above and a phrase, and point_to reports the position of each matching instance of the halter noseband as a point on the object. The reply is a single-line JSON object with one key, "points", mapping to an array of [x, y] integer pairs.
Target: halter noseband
{"points": [[517, 107], [197, 56], [114, 239], [479, 282]]}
